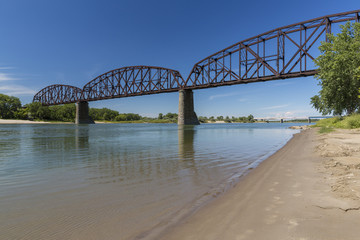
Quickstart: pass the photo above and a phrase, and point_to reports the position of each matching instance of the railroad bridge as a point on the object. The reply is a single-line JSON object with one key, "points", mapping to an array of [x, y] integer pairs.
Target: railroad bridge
{"points": [[285, 52]]}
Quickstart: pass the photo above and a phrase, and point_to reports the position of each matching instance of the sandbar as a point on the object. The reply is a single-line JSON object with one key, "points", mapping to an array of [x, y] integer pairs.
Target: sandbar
{"points": [[15, 121]]}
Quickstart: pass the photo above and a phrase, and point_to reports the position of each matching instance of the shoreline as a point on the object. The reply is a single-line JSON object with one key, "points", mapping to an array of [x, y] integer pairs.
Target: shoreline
{"points": [[16, 121], [293, 194]]}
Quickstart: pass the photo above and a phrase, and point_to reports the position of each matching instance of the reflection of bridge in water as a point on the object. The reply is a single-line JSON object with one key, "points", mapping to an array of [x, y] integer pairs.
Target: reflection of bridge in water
{"points": [[81, 147], [286, 52], [186, 136]]}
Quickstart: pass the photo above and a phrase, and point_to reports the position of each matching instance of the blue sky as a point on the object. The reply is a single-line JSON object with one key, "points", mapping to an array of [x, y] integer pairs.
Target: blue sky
{"points": [[46, 42]]}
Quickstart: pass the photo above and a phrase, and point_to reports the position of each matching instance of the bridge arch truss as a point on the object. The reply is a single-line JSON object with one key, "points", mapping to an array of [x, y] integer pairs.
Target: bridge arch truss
{"points": [[285, 52], [58, 94], [132, 81]]}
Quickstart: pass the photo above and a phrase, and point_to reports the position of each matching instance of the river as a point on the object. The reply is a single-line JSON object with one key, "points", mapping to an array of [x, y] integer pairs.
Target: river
{"points": [[120, 181]]}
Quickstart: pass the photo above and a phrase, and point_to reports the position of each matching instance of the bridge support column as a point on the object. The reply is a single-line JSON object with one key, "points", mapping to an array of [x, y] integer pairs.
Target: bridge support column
{"points": [[281, 120], [187, 115], [309, 120], [82, 113]]}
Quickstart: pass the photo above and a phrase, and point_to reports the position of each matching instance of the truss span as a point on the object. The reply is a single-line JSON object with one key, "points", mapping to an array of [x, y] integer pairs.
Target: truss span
{"points": [[285, 52], [132, 81], [58, 94]]}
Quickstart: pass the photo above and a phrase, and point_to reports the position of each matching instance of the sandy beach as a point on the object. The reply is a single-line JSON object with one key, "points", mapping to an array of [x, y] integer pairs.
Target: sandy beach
{"points": [[308, 190], [13, 121]]}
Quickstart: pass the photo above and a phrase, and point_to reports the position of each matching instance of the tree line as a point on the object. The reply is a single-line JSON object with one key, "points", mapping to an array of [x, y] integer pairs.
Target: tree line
{"points": [[11, 108], [227, 119]]}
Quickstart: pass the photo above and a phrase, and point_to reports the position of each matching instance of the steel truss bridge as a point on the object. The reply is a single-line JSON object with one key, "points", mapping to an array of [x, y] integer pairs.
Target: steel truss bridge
{"points": [[286, 52]]}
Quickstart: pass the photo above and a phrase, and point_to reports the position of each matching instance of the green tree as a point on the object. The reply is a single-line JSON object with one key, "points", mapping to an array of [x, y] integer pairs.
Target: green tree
{"points": [[64, 112], [220, 118], [242, 119], [21, 113], [250, 118], [171, 116], [202, 119], [127, 117], [38, 111], [160, 116], [338, 64], [9, 106], [67, 112], [227, 119], [103, 114], [120, 117]]}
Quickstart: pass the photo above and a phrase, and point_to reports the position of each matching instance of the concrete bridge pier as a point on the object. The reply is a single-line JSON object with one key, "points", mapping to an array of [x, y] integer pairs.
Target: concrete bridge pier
{"points": [[187, 115], [82, 113]]}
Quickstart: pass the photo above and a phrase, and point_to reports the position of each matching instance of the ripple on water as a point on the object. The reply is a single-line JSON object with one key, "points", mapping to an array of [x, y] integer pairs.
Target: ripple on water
{"points": [[106, 180]]}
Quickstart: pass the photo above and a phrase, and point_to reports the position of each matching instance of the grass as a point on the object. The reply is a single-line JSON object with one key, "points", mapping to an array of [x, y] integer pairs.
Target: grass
{"points": [[329, 124], [326, 130]]}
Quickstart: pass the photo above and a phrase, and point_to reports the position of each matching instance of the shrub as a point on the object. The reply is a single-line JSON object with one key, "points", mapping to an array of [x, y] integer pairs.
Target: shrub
{"points": [[349, 122]]}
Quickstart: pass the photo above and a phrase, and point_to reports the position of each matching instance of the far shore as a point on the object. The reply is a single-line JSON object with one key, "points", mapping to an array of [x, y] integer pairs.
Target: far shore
{"points": [[308, 190], [15, 121]]}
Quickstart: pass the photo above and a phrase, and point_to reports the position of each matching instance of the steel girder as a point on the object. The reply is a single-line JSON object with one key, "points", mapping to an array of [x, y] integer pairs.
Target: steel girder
{"points": [[58, 94], [285, 52]]}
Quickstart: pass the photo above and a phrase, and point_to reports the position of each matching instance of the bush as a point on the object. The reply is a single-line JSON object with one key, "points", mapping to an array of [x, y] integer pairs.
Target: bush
{"points": [[328, 122], [103, 114], [22, 113], [352, 121], [8, 106], [127, 117], [349, 122], [326, 130]]}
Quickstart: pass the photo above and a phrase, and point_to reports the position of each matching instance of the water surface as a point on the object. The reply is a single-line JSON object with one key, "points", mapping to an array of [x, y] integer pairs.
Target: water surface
{"points": [[120, 181]]}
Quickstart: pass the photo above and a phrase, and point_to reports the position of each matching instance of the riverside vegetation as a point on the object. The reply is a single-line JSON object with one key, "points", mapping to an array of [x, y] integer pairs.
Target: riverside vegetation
{"points": [[11, 108], [339, 72], [339, 78], [347, 122]]}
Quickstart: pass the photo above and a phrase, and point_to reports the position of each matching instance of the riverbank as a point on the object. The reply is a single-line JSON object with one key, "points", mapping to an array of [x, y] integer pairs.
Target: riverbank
{"points": [[309, 189], [13, 121]]}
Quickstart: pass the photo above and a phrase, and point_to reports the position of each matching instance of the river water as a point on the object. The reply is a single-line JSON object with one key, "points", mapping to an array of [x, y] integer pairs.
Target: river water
{"points": [[120, 181]]}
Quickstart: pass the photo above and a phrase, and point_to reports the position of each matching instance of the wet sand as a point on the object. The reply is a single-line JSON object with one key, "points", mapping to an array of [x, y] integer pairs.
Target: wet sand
{"points": [[308, 190]]}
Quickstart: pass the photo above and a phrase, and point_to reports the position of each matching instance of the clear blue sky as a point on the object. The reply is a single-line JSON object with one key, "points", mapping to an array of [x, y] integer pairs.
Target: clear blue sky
{"points": [[47, 42]]}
